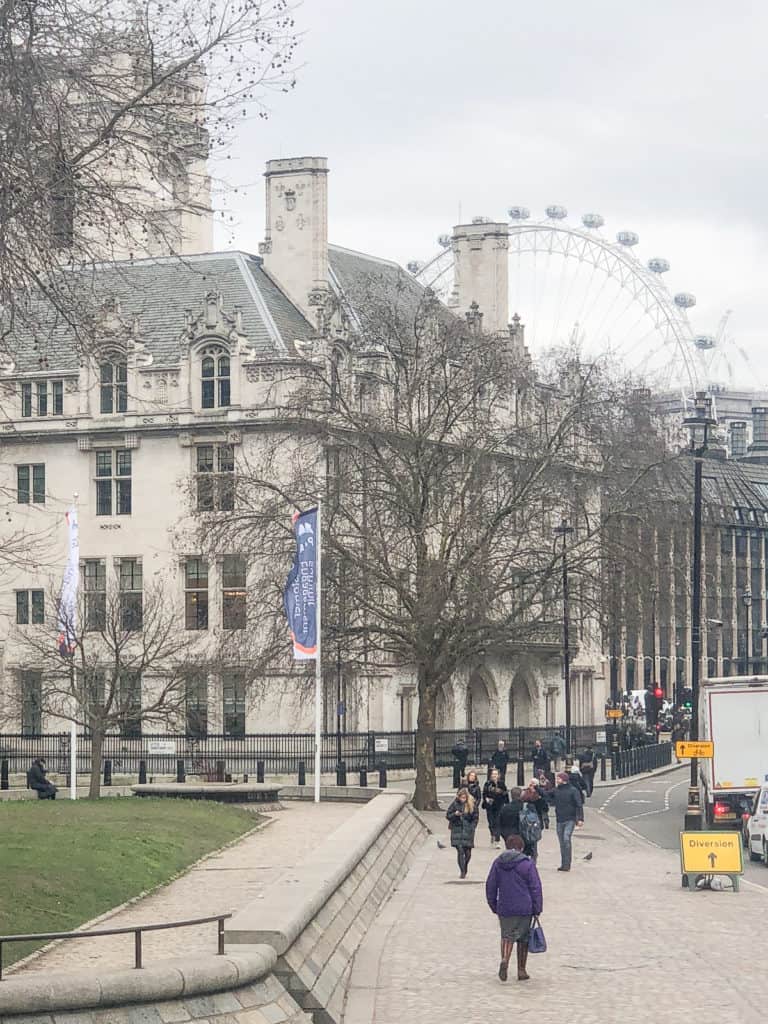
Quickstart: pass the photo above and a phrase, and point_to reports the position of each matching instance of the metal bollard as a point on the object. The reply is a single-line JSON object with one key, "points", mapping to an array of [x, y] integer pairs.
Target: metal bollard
{"points": [[4, 784], [602, 768], [363, 776], [302, 774], [107, 773], [456, 776], [341, 773], [142, 773], [521, 772], [382, 776], [259, 771], [181, 775], [245, 776], [221, 768]]}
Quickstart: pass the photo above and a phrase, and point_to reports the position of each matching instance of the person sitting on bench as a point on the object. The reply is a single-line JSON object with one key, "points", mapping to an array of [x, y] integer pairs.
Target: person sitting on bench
{"points": [[36, 780]]}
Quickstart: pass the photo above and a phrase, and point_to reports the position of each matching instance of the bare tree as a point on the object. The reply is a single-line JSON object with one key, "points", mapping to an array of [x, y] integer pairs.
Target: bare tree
{"points": [[122, 662], [446, 460], [109, 113]]}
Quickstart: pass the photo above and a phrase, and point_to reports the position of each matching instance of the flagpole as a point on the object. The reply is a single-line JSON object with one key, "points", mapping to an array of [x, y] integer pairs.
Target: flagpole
{"points": [[318, 656], [73, 724]]}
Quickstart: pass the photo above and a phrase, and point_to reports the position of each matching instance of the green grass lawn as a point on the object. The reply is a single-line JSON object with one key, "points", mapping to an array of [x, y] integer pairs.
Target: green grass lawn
{"points": [[63, 862]]}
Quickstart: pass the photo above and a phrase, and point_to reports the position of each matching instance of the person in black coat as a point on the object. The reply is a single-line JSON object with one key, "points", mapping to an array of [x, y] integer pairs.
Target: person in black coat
{"points": [[577, 781], [494, 797], [569, 812], [587, 766], [500, 759], [472, 784], [36, 780], [509, 816], [540, 758], [462, 818], [460, 752]]}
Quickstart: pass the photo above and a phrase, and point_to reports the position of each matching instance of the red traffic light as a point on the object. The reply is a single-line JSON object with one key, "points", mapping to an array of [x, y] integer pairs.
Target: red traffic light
{"points": [[658, 693]]}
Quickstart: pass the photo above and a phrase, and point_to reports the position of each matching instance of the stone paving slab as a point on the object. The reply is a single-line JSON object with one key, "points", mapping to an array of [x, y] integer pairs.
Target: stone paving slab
{"points": [[626, 943], [221, 883]]}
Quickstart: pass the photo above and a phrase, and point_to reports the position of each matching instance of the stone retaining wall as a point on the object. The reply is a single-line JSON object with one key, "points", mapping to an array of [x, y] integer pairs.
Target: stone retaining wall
{"points": [[316, 920]]}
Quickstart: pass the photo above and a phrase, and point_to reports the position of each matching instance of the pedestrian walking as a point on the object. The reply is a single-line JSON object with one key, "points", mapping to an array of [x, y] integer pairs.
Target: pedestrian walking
{"points": [[534, 818], [509, 815], [513, 891], [460, 752], [500, 759], [569, 814], [558, 748], [462, 820], [577, 780], [540, 758], [494, 797], [472, 784], [587, 767], [36, 780]]}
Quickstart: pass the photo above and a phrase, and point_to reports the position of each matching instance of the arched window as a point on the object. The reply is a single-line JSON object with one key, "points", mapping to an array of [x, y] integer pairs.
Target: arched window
{"points": [[113, 378], [215, 379]]}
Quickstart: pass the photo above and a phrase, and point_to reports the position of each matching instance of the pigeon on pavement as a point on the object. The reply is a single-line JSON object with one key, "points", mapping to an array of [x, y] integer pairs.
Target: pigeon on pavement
{"points": [[441, 846], [588, 856]]}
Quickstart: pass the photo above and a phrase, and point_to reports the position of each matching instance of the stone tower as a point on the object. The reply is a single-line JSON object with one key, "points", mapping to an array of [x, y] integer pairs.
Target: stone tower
{"points": [[481, 258]]}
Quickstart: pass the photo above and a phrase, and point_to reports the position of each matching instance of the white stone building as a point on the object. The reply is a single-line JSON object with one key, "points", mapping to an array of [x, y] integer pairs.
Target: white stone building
{"points": [[150, 422]]}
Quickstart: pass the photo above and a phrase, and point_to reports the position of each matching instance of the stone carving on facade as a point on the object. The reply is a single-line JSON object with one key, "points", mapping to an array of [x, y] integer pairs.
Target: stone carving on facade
{"points": [[290, 199], [265, 247]]}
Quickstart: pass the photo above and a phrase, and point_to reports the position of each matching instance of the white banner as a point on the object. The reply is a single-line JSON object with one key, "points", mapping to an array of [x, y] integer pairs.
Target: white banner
{"points": [[68, 597]]}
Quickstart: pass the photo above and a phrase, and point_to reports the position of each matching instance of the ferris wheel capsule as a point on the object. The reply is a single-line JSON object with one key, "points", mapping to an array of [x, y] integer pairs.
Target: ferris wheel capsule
{"points": [[705, 341], [658, 265], [556, 212], [444, 241], [413, 266], [628, 238], [685, 300], [518, 213], [592, 220]]}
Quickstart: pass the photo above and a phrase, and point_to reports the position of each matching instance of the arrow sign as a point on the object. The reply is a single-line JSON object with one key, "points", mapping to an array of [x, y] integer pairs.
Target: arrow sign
{"points": [[712, 858]]}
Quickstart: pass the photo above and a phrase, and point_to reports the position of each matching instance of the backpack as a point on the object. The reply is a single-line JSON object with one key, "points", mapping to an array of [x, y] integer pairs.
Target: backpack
{"points": [[530, 826]]}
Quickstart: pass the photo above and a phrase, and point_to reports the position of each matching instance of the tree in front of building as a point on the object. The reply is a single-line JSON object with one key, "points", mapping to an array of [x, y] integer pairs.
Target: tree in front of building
{"points": [[119, 665], [446, 461]]}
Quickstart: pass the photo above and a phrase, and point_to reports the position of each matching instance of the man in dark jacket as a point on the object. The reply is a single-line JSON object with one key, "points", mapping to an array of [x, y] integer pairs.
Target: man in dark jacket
{"points": [[513, 891], [569, 813], [460, 752], [36, 780], [500, 759], [540, 758], [587, 766], [509, 815]]}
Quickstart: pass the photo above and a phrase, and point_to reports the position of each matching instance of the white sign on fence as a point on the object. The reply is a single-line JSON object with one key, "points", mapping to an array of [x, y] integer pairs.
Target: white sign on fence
{"points": [[381, 746], [600, 736], [161, 746]]}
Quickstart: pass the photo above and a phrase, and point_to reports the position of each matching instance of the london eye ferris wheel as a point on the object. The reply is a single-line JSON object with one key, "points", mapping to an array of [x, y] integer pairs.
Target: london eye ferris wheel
{"points": [[572, 282]]}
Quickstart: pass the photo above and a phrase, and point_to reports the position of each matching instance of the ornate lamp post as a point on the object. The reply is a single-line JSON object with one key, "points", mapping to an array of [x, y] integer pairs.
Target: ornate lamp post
{"points": [[564, 531], [746, 600]]}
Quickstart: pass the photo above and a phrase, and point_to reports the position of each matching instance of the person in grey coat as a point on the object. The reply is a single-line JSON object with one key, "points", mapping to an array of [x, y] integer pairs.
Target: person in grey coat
{"points": [[462, 818]]}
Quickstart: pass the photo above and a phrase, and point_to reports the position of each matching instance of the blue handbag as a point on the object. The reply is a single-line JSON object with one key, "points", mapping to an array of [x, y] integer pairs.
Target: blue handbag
{"points": [[536, 941]]}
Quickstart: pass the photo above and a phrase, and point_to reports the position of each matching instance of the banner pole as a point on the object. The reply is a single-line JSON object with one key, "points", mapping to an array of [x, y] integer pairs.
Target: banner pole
{"points": [[73, 761], [318, 656]]}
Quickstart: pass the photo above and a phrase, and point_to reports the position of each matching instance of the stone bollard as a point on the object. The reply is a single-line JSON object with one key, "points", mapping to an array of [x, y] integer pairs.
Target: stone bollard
{"points": [[107, 773], [4, 784], [363, 776], [302, 774], [259, 771], [341, 773], [602, 768], [181, 775], [382, 776]]}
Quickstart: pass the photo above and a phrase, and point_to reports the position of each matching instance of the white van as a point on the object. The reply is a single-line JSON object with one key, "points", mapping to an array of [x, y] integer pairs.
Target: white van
{"points": [[756, 827]]}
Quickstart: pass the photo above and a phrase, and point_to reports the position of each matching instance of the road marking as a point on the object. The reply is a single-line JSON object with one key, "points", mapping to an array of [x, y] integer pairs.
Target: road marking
{"points": [[638, 801], [637, 835]]}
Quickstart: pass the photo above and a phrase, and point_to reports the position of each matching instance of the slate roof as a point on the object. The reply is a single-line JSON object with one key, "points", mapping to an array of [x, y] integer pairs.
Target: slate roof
{"points": [[158, 292], [730, 489], [363, 280]]}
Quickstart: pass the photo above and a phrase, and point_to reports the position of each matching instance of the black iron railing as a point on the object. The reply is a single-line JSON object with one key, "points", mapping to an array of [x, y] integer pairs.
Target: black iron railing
{"points": [[641, 759], [136, 930]]}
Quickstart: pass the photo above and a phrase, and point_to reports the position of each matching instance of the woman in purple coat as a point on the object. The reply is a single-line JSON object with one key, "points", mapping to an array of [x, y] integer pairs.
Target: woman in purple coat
{"points": [[513, 891]]}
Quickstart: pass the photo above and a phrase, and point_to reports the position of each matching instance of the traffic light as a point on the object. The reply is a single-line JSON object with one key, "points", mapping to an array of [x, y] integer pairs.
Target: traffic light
{"points": [[651, 708], [688, 698]]}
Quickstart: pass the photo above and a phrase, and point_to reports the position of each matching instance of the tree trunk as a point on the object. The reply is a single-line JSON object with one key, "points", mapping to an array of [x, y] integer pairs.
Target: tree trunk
{"points": [[97, 745], [425, 794]]}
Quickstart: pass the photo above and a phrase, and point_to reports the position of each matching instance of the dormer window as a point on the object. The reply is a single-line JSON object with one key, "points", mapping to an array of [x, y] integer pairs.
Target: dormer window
{"points": [[113, 378], [215, 379]]}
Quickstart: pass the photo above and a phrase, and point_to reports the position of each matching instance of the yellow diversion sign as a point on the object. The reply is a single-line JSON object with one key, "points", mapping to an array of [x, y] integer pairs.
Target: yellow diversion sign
{"points": [[711, 853], [695, 748]]}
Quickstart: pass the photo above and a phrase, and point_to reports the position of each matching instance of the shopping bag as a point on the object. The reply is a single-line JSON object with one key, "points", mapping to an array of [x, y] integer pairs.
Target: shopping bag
{"points": [[536, 941]]}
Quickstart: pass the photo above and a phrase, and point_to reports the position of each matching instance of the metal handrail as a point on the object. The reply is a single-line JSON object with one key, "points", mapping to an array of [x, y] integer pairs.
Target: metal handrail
{"points": [[136, 929]]}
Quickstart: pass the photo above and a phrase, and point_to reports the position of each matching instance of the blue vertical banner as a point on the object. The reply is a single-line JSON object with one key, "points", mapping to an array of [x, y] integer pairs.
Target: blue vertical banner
{"points": [[301, 588]]}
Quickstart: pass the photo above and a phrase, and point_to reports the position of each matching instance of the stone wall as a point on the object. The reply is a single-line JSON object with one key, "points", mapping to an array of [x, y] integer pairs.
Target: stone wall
{"points": [[316, 920]]}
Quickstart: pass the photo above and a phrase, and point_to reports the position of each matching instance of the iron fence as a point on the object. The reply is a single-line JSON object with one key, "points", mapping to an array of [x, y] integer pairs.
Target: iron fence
{"points": [[641, 759], [281, 753]]}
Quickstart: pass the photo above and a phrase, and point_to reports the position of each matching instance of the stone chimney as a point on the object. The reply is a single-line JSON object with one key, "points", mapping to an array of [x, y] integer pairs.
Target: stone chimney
{"points": [[738, 439], [758, 450], [481, 257], [295, 247]]}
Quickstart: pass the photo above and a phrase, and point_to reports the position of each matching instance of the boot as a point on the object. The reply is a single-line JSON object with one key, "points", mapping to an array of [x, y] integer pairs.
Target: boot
{"points": [[522, 959]]}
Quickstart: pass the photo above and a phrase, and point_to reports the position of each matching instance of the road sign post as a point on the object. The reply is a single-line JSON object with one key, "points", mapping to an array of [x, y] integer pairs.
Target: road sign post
{"points": [[695, 748], [710, 853]]}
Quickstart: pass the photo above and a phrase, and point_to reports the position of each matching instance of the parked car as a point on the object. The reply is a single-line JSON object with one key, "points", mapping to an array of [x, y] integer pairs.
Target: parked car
{"points": [[756, 827]]}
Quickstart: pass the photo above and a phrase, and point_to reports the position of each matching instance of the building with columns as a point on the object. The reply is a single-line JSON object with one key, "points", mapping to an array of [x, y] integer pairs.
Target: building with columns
{"points": [[145, 426]]}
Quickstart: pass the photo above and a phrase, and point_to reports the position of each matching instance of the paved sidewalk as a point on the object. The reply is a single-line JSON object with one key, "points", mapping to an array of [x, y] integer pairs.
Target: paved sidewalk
{"points": [[221, 883], [626, 942]]}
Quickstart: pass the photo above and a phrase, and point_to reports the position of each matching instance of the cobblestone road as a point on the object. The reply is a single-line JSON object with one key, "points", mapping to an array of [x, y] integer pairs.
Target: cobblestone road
{"points": [[219, 884], [626, 942]]}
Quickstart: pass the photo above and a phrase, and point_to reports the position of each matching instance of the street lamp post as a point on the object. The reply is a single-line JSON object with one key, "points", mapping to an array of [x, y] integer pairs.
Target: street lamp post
{"points": [[698, 425], [564, 531], [746, 600]]}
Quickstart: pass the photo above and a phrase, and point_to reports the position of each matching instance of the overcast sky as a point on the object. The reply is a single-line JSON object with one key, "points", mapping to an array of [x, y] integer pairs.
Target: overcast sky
{"points": [[653, 114]]}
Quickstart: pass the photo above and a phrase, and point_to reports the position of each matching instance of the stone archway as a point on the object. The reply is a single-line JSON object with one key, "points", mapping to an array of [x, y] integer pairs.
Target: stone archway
{"points": [[479, 704], [520, 702]]}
